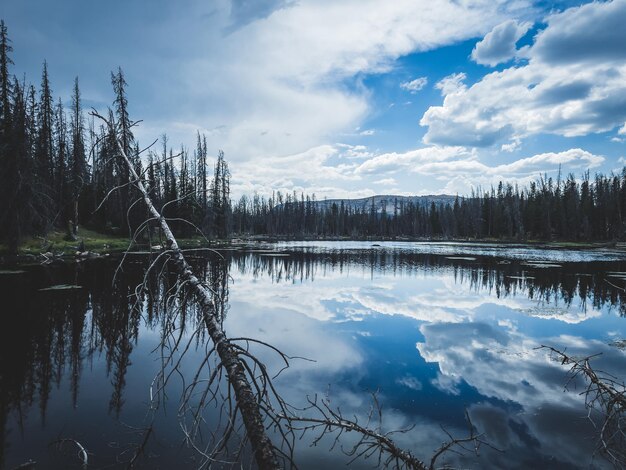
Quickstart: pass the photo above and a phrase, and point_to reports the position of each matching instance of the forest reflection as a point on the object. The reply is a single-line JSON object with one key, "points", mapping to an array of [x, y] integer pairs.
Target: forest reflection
{"points": [[52, 335], [590, 282]]}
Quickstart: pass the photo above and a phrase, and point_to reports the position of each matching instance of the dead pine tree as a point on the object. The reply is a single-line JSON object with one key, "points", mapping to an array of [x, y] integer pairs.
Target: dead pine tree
{"points": [[265, 454]]}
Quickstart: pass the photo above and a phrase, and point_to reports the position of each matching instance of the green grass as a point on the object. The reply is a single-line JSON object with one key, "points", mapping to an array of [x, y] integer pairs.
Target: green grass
{"points": [[96, 242]]}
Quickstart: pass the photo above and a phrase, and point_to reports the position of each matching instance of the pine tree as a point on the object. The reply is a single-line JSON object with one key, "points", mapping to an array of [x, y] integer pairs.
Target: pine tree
{"points": [[60, 165], [5, 117], [19, 212], [125, 136], [78, 177], [44, 152], [220, 197], [5, 81], [45, 148]]}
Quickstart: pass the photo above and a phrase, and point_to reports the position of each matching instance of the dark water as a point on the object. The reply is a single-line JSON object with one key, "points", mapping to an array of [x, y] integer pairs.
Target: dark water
{"points": [[436, 331]]}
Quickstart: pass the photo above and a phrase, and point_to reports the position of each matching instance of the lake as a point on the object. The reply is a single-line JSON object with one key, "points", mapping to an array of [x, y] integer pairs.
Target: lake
{"points": [[436, 331]]}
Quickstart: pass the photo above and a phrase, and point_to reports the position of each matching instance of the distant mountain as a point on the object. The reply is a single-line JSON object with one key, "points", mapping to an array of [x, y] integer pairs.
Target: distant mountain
{"points": [[386, 201]]}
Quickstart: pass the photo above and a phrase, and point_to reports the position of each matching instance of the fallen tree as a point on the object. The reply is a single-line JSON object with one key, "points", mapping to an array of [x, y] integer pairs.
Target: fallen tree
{"points": [[265, 453]]}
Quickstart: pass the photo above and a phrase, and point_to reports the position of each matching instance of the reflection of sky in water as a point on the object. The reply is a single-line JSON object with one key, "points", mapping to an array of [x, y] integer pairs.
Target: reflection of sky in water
{"points": [[434, 345], [511, 251], [434, 336]]}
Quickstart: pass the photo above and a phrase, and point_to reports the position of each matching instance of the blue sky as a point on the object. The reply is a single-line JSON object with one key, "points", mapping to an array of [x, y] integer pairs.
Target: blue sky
{"points": [[351, 98]]}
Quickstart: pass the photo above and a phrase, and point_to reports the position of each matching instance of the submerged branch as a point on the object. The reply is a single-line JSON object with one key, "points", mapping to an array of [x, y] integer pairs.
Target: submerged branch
{"points": [[372, 441], [604, 393]]}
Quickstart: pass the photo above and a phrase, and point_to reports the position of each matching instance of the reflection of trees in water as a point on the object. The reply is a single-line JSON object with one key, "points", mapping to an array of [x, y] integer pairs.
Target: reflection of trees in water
{"points": [[586, 282], [42, 334], [47, 335]]}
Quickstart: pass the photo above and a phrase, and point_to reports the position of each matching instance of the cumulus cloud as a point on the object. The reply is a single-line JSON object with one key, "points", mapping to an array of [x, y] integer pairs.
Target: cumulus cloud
{"points": [[356, 170], [343, 170], [287, 92], [499, 44], [451, 161], [452, 84], [322, 165], [414, 86], [563, 89], [385, 182], [463, 176], [395, 162], [590, 33]]}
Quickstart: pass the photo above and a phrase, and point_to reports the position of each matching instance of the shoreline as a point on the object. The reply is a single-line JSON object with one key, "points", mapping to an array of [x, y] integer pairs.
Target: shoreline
{"points": [[96, 245]]}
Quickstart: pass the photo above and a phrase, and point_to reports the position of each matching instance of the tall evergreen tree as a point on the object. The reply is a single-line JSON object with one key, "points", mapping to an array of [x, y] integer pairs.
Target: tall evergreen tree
{"points": [[5, 79], [19, 212], [78, 173], [60, 166], [125, 136], [220, 197], [45, 144], [5, 116], [44, 152]]}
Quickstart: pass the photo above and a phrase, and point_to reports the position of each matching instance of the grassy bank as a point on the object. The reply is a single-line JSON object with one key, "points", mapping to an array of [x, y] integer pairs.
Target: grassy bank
{"points": [[94, 242]]}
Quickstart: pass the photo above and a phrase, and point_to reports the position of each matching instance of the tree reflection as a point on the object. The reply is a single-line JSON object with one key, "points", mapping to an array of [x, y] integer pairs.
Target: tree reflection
{"points": [[50, 335]]}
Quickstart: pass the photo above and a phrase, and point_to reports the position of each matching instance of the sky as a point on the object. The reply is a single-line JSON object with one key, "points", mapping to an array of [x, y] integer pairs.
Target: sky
{"points": [[350, 98]]}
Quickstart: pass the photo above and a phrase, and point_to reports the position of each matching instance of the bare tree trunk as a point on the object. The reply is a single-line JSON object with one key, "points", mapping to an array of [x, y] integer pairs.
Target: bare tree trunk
{"points": [[75, 224], [264, 451]]}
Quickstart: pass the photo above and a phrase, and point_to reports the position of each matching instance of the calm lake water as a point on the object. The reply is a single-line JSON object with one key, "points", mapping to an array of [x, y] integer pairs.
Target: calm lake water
{"points": [[436, 329]]}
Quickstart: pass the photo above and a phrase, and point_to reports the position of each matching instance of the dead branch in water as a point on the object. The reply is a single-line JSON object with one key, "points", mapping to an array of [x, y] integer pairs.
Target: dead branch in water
{"points": [[372, 441], [606, 394], [82, 452]]}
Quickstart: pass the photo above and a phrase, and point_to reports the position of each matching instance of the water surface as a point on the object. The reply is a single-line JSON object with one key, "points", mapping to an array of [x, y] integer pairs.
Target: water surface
{"points": [[435, 329]]}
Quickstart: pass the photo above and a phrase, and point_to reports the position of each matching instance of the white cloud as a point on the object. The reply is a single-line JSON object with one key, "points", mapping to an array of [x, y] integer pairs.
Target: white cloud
{"points": [[461, 176], [460, 170], [395, 162], [286, 92], [569, 88], [414, 86], [511, 147], [385, 182], [452, 84], [591, 33], [354, 171], [573, 158], [456, 160], [311, 168], [499, 44]]}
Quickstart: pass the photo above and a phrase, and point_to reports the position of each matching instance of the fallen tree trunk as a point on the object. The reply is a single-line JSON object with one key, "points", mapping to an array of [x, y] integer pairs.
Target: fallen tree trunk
{"points": [[263, 449]]}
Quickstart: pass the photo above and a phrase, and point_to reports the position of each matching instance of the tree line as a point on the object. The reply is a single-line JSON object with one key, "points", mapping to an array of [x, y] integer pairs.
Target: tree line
{"points": [[59, 170], [548, 209]]}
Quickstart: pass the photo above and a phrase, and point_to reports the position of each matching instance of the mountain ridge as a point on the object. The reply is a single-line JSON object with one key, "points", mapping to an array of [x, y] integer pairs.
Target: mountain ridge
{"points": [[389, 201]]}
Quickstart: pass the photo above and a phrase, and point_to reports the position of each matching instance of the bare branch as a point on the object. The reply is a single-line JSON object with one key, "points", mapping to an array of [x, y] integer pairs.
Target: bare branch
{"points": [[605, 393]]}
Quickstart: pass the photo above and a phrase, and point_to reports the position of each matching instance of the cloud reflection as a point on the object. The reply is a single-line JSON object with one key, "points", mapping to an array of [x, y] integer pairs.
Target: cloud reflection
{"points": [[481, 342]]}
